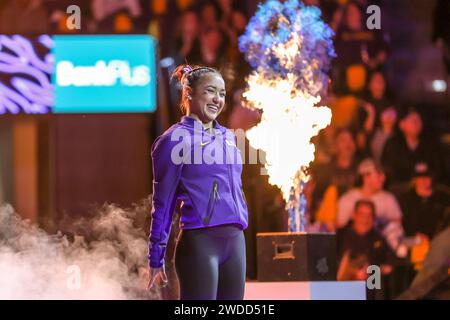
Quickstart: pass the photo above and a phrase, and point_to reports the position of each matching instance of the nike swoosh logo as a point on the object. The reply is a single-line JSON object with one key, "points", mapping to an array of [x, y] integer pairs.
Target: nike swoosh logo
{"points": [[204, 143]]}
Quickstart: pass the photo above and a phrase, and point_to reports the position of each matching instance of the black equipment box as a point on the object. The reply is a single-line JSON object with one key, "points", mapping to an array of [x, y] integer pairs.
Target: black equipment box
{"points": [[296, 256]]}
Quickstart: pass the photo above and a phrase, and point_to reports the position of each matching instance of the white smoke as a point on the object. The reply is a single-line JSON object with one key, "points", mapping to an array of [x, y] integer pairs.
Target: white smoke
{"points": [[109, 262]]}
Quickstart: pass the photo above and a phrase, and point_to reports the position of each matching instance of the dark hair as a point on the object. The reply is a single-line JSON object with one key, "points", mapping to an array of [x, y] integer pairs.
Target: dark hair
{"points": [[188, 76], [354, 3], [211, 3], [224, 41], [406, 110], [348, 5], [372, 73], [341, 130], [388, 93], [365, 202]]}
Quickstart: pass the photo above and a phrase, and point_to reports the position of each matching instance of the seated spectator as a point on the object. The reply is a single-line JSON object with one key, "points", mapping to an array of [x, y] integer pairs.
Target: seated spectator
{"points": [[187, 38], [323, 143], [387, 208], [340, 171], [210, 15], [423, 205], [357, 47], [238, 22], [424, 208], [376, 100], [359, 245], [212, 45], [385, 131], [226, 11], [403, 151], [234, 27], [377, 94], [335, 15], [213, 49], [238, 67]]}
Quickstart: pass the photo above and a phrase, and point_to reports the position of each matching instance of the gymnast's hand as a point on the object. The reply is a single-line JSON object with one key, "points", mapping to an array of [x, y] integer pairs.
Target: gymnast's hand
{"points": [[153, 275]]}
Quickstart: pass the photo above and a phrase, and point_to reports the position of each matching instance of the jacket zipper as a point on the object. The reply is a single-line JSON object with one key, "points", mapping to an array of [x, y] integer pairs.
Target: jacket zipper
{"points": [[215, 195], [230, 175], [243, 193]]}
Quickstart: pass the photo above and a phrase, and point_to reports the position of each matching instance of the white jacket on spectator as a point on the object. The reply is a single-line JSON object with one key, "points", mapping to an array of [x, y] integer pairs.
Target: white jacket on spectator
{"points": [[386, 206]]}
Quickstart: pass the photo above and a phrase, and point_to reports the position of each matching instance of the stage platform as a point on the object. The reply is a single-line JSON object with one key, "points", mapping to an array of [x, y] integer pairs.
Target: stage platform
{"points": [[317, 290]]}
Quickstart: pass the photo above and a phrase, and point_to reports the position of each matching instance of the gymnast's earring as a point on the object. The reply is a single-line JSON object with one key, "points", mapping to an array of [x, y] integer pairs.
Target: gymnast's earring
{"points": [[189, 97]]}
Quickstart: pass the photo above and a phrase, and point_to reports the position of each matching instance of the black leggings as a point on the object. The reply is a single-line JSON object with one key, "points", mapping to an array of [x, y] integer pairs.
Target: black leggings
{"points": [[210, 263]]}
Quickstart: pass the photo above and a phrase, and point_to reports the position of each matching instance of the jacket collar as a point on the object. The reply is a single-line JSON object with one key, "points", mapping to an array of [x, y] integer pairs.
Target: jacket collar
{"points": [[189, 121]]}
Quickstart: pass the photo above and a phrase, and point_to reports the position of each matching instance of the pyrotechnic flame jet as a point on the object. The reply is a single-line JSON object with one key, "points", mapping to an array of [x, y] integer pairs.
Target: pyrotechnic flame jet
{"points": [[290, 49]]}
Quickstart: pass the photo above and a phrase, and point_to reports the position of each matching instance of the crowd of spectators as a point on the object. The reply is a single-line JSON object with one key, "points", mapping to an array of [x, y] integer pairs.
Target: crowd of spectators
{"points": [[378, 180]]}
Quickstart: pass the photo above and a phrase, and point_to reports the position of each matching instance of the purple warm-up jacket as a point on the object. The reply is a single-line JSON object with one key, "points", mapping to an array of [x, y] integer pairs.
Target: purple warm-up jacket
{"points": [[202, 169]]}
